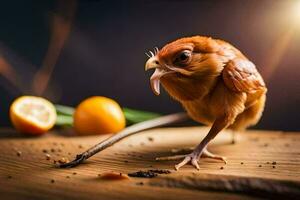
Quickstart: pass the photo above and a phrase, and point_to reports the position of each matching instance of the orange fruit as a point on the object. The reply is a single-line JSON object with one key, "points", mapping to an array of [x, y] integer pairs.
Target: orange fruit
{"points": [[32, 115], [98, 115]]}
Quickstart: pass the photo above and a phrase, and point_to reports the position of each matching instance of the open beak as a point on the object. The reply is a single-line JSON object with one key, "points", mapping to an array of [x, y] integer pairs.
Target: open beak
{"points": [[153, 63]]}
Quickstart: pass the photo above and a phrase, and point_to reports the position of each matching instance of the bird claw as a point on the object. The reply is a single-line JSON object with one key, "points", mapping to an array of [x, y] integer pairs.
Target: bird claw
{"points": [[193, 158], [207, 154]]}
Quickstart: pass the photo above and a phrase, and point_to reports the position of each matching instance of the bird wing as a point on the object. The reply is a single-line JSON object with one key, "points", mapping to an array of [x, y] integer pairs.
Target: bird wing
{"points": [[241, 75]]}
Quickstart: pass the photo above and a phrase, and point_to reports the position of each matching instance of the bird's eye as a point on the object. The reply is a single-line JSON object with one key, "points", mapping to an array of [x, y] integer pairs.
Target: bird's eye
{"points": [[183, 57]]}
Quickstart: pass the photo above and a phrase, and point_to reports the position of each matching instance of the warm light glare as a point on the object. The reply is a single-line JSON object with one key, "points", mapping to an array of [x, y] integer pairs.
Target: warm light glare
{"points": [[280, 48], [295, 14]]}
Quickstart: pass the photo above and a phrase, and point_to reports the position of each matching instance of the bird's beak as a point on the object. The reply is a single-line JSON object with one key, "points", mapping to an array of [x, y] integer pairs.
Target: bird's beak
{"points": [[153, 63]]}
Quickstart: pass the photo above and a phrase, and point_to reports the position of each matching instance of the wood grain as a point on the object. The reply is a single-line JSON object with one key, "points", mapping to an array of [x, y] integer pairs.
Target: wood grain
{"points": [[249, 173]]}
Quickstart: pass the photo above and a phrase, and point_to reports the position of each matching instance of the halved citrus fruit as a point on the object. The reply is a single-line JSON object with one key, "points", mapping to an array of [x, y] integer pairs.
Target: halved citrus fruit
{"points": [[98, 115], [32, 115]]}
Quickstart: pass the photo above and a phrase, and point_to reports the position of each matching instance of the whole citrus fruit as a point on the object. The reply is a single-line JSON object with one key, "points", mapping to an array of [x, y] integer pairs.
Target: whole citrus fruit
{"points": [[32, 115], [98, 115]]}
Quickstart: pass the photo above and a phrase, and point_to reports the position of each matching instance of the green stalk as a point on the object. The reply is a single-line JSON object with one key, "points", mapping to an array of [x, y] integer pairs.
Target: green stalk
{"points": [[64, 120], [64, 115], [132, 116], [64, 110], [136, 116]]}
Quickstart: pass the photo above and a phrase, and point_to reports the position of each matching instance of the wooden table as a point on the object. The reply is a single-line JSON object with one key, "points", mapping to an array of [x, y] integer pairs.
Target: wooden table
{"points": [[251, 171]]}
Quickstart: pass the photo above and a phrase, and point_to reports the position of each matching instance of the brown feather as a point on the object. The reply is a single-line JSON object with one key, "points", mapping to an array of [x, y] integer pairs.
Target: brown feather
{"points": [[218, 81]]}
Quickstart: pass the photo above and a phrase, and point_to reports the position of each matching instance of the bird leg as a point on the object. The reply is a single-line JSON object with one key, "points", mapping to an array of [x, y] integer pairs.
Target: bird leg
{"points": [[219, 124]]}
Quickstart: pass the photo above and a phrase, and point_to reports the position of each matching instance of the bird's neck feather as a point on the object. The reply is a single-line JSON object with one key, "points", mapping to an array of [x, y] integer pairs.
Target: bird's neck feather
{"points": [[188, 88]]}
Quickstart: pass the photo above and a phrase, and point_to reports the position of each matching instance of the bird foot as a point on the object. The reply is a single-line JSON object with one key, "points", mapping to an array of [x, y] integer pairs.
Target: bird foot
{"points": [[207, 154], [193, 158]]}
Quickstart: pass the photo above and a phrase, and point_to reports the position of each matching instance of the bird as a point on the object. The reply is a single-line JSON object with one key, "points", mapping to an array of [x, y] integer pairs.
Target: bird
{"points": [[216, 84]]}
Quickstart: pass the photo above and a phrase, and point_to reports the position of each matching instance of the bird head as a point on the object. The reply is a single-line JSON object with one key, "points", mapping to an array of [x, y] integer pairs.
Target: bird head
{"points": [[184, 61]]}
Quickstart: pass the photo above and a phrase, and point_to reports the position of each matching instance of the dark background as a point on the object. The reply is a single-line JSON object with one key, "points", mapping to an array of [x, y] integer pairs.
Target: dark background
{"points": [[104, 53]]}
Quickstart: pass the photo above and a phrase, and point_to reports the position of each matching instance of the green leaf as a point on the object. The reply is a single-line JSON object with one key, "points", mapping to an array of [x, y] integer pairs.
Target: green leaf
{"points": [[135, 116], [64, 110], [64, 120]]}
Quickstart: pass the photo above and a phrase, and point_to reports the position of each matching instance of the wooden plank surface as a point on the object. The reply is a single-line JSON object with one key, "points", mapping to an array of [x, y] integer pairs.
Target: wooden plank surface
{"points": [[251, 172]]}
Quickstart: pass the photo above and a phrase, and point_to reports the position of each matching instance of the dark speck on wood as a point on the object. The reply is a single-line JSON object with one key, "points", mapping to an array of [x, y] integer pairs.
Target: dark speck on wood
{"points": [[149, 174], [19, 153], [143, 174], [160, 171], [48, 157]]}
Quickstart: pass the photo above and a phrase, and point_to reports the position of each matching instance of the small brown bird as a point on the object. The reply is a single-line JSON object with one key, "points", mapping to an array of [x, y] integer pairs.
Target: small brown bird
{"points": [[216, 84]]}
